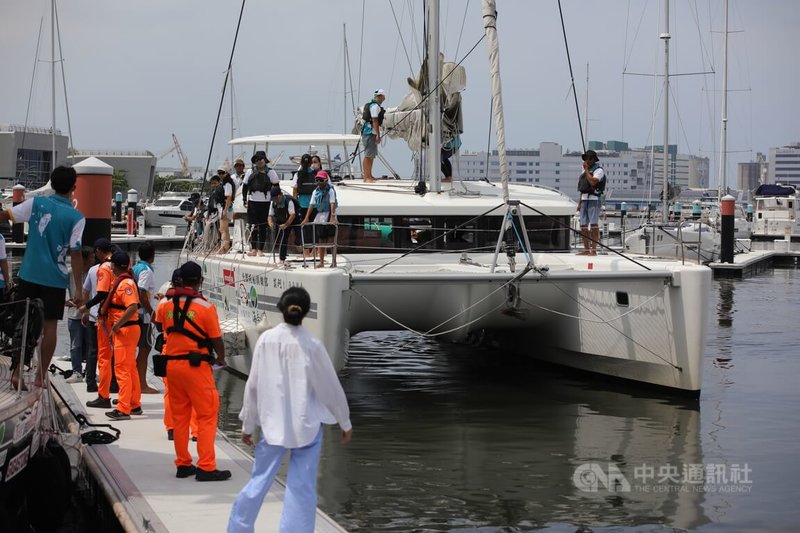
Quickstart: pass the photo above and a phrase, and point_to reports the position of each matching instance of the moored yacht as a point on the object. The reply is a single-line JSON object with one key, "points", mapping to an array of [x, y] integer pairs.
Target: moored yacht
{"points": [[466, 261], [169, 209]]}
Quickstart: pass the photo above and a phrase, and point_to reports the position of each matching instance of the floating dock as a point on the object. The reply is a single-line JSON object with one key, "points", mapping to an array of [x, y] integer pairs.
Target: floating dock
{"points": [[754, 262], [136, 473]]}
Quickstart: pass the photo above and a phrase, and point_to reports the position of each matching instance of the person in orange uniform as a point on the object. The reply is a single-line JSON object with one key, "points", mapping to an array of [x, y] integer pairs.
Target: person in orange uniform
{"points": [[168, 423], [105, 277], [121, 308], [191, 333]]}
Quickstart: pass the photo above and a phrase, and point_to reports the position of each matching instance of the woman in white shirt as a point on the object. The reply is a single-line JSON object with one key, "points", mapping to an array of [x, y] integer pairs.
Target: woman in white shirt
{"points": [[291, 391]]}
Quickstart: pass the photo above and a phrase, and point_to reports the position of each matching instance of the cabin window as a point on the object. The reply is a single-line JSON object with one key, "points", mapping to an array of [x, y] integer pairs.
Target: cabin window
{"points": [[365, 234]]}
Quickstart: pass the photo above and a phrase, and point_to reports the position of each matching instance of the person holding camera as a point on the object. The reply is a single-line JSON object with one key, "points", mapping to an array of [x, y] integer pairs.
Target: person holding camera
{"points": [[589, 185]]}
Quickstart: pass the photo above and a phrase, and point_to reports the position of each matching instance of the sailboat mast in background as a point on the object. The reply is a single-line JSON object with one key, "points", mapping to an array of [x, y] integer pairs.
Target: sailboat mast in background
{"points": [[434, 105], [665, 168]]}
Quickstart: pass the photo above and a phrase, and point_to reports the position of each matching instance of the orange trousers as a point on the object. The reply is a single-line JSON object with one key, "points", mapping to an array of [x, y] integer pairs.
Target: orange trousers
{"points": [[193, 387], [103, 358], [168, 422], [126, 344]]}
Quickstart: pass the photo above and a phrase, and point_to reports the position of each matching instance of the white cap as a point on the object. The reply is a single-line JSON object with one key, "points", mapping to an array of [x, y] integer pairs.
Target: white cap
{"points": [[380, 92]]}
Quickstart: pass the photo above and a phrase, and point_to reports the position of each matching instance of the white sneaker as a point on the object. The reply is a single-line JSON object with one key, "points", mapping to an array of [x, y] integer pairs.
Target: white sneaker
{"points": [[76, 377], [65, 358]]}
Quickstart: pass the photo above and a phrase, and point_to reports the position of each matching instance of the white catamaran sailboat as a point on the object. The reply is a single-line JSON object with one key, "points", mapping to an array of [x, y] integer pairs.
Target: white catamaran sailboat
{"points": [[470, 259]]}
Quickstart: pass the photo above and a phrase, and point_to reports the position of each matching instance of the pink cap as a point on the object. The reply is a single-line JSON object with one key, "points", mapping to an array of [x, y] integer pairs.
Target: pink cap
{"points": [[322, 175]]}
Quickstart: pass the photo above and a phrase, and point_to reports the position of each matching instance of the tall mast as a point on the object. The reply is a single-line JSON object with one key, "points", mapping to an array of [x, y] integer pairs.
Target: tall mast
{"points": [[232, 126], [53, 81], [344, 76], [665, 37], [723, 152], [586, 109], [434, 109], [490, 26]]}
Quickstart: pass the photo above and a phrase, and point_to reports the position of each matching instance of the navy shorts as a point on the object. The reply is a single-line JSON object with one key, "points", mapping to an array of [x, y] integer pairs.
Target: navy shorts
{"points": [[53, 298]]}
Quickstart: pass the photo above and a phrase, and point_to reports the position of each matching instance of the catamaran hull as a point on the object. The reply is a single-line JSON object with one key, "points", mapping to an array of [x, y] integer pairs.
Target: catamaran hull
{"points": [[646, 326]]}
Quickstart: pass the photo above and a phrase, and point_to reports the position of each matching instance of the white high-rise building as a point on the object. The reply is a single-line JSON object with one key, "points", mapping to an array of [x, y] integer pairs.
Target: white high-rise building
{"points": [[628, 171], [784, 165]]}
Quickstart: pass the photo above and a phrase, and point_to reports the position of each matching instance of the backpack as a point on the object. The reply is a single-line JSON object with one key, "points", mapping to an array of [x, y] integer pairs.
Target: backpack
{"points": [[258, 182], [367, 116]]}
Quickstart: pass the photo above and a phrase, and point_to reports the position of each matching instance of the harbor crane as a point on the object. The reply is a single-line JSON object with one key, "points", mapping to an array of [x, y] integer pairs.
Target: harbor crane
{"points": [[176, 147]]}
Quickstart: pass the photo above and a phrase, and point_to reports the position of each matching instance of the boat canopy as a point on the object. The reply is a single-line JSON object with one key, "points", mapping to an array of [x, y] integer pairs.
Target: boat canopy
{"points": [[771, 189], [300, 139]]}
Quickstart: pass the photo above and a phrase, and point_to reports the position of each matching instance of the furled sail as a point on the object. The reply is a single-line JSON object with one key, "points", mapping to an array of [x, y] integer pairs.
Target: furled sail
{"points": [[406, 121]]}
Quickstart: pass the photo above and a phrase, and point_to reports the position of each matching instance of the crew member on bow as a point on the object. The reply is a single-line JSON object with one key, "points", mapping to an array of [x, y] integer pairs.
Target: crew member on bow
{"points": [[121, 308], [191, 334]]}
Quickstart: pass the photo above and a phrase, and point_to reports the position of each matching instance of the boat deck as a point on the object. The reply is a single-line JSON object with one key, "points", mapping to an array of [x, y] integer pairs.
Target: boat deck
{"points": [[137, 474]]}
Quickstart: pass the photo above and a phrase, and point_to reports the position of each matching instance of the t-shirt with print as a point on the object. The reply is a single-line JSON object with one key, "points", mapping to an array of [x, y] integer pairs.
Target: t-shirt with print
{"points": [[55, 229]]}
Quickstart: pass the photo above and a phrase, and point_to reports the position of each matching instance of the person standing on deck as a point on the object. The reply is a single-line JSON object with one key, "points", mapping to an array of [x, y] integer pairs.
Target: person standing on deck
{"points": [[55, 231], [371, 131], [191, 334], [121, 307], [105, 278], [144, 277], [589, 206], [255, 195], [291, 391], [323, 206]]}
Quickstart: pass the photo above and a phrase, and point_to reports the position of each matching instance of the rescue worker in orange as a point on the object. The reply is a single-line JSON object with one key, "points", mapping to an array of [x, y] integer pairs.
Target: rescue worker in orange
{"points": [[168, 423], [105, 277], [191, 334], [121, 308]]}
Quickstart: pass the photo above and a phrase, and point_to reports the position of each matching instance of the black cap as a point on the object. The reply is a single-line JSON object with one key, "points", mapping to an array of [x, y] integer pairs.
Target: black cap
{"points": [[261, 154], [176, 280], [121, 259], [590, 153], [275, 191], [191, 272], [103, 244]]}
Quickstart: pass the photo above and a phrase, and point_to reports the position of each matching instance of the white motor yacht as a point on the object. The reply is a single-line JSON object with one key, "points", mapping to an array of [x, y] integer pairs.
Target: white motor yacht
{"points": [[169, 209]]}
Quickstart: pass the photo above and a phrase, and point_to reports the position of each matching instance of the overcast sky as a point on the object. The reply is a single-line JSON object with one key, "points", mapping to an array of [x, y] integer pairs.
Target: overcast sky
{"points": [[137, 71]]}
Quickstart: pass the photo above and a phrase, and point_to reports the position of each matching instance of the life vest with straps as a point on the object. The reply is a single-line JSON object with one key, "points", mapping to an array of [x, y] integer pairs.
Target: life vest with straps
{"points": [[218, 196], [182, 320], [282, 211], [585, 187], [367, 116], [258, 181], [323, 205], [109, 304], [306, 181]]}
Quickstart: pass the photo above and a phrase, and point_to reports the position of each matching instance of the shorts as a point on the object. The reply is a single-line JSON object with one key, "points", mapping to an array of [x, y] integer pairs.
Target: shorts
{"points": [[590, 212], [53, 298], [370, 146]]}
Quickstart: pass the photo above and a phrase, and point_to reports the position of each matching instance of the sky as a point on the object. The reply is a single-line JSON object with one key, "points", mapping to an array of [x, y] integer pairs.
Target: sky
{"points": [[136, 72]]}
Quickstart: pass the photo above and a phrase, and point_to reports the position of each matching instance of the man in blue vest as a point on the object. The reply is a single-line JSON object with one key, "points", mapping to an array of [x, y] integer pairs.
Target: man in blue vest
{"points": [[371, 131], [55, 231]]}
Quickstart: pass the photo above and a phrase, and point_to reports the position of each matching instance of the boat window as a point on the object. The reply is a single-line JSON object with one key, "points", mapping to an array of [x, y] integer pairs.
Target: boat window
{"points": [[186, 205], [622, 299], [365, 234], [548, 233], [167, 202]]}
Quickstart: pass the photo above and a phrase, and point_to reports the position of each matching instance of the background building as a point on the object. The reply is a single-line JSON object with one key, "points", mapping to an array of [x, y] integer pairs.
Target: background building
{"points": [[784, 165], [26, 154], [750, 175], [628, 170], [139, 168]]}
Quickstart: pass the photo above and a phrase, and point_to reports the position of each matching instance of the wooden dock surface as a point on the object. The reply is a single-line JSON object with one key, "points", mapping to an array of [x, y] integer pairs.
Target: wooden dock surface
{"points": [[137, 474]]}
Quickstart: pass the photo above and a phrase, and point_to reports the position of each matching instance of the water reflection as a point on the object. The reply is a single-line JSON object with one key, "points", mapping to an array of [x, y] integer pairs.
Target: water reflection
{"points": [[455, 438]]}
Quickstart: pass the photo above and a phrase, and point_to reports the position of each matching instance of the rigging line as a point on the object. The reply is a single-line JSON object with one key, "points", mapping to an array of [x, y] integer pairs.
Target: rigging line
{"points": [[436, 238], [361, 51], [560, 223], [590, 320], [222, 96], [571, 75], [460, 33], [568, 295], [489, 138], [400, 35], [71, 147], [33, 79], [420, 333], [426, 96]]}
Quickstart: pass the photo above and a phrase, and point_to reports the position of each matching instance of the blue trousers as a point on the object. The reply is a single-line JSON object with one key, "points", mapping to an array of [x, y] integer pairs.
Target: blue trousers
{"points": [[300, 504], [78, 343]]}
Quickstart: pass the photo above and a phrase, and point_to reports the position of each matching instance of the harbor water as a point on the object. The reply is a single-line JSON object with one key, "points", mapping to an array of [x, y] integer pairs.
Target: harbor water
{"points": [[468, 439]]}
